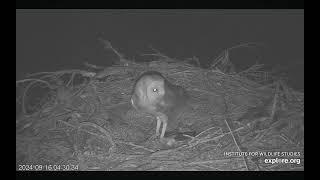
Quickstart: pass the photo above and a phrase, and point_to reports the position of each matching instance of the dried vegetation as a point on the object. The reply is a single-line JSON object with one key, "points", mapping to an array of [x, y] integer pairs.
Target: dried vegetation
{"points": [[83, 118]]}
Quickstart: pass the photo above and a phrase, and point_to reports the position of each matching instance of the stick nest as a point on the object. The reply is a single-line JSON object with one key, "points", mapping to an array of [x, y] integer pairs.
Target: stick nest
{"points": [[83, 118]]}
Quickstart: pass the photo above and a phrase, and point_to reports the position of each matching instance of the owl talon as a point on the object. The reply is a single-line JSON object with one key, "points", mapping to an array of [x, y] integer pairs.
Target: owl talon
{"points": [[163, 140]]}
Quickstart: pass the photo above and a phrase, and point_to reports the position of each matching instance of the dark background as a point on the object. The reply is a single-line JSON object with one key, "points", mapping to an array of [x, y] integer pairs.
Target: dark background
{"points": [[51, 40]]}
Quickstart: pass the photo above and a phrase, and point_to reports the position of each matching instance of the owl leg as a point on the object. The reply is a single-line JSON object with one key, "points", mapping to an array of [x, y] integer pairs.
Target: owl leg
{"points": [[132, 103], [164, 127], [158, 126]]}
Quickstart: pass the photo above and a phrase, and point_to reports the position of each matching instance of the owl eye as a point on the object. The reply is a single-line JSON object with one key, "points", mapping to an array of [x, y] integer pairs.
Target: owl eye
{"points": [[155, 90]]}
